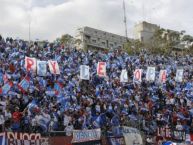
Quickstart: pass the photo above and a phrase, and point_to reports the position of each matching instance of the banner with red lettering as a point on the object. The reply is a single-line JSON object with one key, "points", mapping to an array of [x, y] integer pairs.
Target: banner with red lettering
{"points": [[162, 76], [54, 67], [137, 75], [30, 64], [101, 69], [14, 138]]}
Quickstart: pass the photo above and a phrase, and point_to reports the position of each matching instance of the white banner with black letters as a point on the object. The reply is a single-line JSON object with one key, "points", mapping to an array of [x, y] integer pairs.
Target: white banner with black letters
{"points": [[86, 135]]}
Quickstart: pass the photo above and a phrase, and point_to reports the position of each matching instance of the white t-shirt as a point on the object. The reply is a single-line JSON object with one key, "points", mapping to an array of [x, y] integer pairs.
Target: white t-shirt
{"points": [[7, 115], [179, 127], [66, 120], [69, 130]]}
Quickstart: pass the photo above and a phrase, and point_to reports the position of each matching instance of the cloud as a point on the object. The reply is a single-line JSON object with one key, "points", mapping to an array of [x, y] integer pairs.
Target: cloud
{"points": [[52, 18]]}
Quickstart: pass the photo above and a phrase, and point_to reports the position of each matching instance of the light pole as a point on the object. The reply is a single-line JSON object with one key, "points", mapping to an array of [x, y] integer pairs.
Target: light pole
{"points": [[29, 23], [29, 29], [125, 18]]}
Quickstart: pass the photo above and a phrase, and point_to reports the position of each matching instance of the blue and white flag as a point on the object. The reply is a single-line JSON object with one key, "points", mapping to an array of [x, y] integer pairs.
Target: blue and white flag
{"points": [[41, 68], [24, 84], [169, 143], [33, 105], [7, 87], [43, 123], [2, 139]]}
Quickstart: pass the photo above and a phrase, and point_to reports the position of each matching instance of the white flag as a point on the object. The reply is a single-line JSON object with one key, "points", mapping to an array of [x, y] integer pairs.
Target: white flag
{"points": [[41, 68], [179, 75], [150, 76], [162, 76], [84, 72], [124, 76], [54, 67], [137, 75]]}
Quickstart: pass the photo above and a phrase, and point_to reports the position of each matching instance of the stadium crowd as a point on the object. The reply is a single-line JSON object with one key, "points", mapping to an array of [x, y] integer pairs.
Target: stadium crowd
{"points": [[98, 102]]}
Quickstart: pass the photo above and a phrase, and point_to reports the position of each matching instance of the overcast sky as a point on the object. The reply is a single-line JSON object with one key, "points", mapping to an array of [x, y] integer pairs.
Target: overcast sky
{"points": [[52, 18]]}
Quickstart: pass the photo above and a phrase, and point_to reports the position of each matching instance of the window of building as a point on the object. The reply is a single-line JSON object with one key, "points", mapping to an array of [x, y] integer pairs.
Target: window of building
{"points": [[141, 38], [87, 36], [94, 41], [103, 43]]}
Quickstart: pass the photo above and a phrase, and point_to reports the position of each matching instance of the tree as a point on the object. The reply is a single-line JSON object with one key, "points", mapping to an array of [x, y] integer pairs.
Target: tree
{"points": [[66, 39], [163, 41], [133, 46], [187, 38]]}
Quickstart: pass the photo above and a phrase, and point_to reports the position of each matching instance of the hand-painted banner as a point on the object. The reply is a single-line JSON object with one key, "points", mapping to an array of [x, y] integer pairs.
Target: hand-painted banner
{"points": [[41, 68], [86, 135], [150, 75], [124, 76], [162, 76], [24, 84], [179, 75], [54, 67], [15, 138], [131, 135], [84, 72], [101, 69], [30, 64], [137, 75]]}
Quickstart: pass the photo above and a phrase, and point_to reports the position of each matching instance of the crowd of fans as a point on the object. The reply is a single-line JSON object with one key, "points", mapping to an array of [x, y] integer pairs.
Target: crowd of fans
{"points": [[96, 103]]}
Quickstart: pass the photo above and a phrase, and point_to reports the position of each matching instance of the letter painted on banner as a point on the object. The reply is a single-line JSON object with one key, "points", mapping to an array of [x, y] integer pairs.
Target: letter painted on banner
{"points": [[86, 135], [41, 68], [101, 69], [54, 67], [179, 75], [25, 139], [131, 135], [150, 75], [162, 76], [84, 72], [137, 75], [124, 76], [30, 64]]}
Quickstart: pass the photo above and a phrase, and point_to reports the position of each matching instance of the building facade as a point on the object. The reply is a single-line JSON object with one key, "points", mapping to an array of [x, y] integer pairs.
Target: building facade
{"points": [[144, 31], [90, 38]]}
